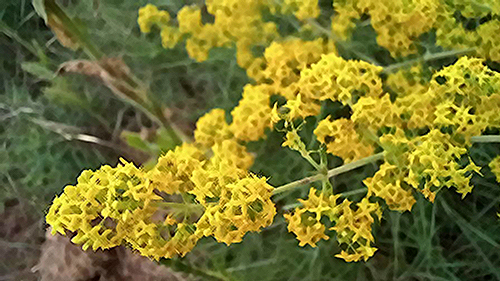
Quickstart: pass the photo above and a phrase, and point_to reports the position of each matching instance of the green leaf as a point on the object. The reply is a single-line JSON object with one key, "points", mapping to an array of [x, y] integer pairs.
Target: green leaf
{"points": [[39, 6], [164, 140], [38, 69], [134, 140], [60, 92]]}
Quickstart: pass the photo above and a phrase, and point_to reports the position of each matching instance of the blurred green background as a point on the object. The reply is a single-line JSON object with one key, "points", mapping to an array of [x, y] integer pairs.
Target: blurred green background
{"points": [[54, 126]]}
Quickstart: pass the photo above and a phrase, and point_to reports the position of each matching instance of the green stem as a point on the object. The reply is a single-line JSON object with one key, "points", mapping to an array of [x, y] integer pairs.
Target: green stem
{"points": [[486, 139], [309, 159], [331, 173], [427, 57], [186, 207], [339, 42], [343, 194]]}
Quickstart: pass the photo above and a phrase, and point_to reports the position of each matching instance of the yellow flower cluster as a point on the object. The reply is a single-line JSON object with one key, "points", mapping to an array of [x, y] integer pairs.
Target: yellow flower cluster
{"points": [[452, 32], [302, 9], [283, 61], [164, 212], [400, 23], [230, 211], [204, 188], [459, 98], [238, 22], [407, 81], [252, 116], [212, 128], [375, 113], [430, 159], [175, 167], [108, 207], [341, 139], [150, 16], [353, 227], [389, 184], [337, 79], [397, 22]]}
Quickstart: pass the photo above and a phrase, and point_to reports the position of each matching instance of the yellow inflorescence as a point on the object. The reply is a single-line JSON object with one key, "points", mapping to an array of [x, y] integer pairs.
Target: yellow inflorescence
{"points": [[172, 173], [241, 206], [397, 23], [388, 183], [149, 16], [341, 139], [235, 21], [451, 32], [155, 212], [252, 116], [375, 113], [212, 128], [302, 9], [103, 206], [423, 123], [353, 227], [337, 79]]}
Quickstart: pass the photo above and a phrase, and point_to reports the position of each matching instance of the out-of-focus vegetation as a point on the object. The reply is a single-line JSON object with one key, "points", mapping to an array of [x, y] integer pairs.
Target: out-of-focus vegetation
{"points": [[52, 126]]}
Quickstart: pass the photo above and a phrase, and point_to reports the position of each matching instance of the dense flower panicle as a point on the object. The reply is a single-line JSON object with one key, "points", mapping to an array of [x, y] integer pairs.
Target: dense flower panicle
{"points": [[155, 240], [375, 113], [451, 32], [465, 82], [353, 227], [337, 79], [397, 23], [388, 183], [400, 23], [234, 21], [302, 9], [252, 116], [212, 128], [239, 207], [407, 20], [174, 169], [468, 93], [283, 62], [433, 160], [149, 16], [103, 206], [305, 221], [232, 154], [405, 82], [341, 139], [416, 110]]}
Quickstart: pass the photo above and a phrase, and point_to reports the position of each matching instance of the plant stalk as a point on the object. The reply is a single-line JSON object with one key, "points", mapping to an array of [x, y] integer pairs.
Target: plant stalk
{"points": [[331, 173]]}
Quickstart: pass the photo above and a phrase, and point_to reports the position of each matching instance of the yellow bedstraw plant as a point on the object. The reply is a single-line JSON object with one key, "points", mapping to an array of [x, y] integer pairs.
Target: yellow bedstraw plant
{"points": [[420, 128]]}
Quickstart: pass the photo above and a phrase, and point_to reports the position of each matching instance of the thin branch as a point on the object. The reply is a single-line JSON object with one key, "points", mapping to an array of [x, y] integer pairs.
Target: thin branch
{"points": [[427, 57], [331, 173], [486, 138]]}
